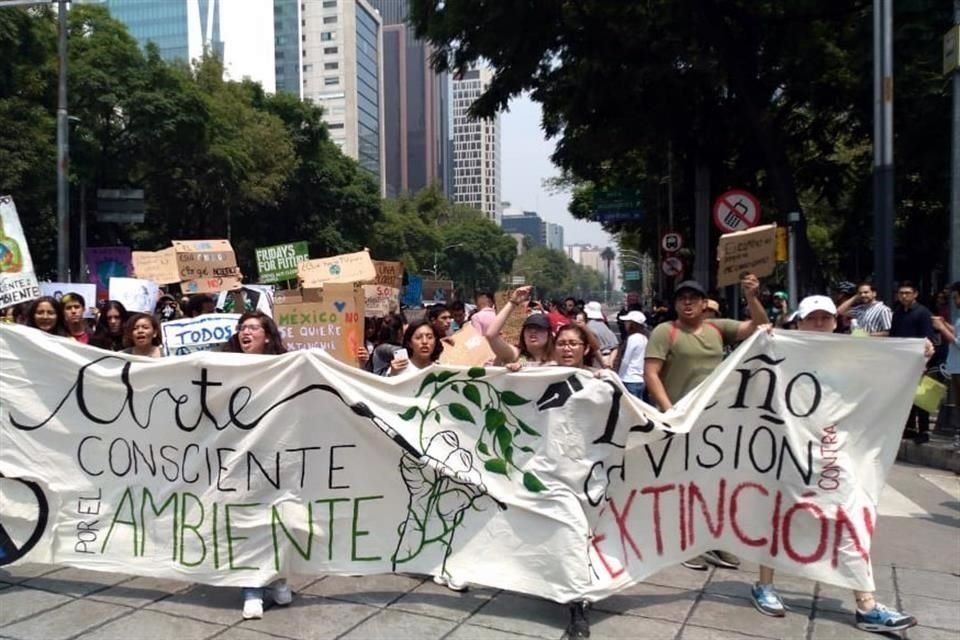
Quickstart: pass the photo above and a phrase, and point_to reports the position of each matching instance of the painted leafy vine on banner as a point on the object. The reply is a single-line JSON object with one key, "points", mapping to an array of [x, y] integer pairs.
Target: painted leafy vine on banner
{"points": [[502, 433]]}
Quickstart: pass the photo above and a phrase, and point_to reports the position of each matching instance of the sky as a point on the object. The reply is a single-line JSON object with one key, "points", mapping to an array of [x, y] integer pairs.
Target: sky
{"points": [[525, 160]]}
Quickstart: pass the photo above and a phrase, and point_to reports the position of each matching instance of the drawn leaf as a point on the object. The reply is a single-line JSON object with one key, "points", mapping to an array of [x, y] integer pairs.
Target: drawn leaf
{"points": [[527, 429], [532, 483], [496, 465], [483, 448], [476, 372], [494, 419], [471, 393], [504, 438], [526, 449], [511, 399], [508, 454], [409, 413], [446, 375], [460, 412], [430, 379], [455, 387], [436, 417]]}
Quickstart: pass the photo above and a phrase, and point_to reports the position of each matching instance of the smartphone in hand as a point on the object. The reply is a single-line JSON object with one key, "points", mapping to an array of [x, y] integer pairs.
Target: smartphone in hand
{"points": [[400, 354]]}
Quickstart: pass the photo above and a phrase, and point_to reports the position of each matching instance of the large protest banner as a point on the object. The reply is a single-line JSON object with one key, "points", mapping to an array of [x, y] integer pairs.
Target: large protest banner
{"points": [[234, 469], [18, 283], [203, 333], [329, 319], [279, 262]]}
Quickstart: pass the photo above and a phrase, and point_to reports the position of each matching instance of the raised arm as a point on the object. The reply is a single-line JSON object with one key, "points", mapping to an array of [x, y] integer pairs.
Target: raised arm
{"points": [[750, 286], [505, 352]]}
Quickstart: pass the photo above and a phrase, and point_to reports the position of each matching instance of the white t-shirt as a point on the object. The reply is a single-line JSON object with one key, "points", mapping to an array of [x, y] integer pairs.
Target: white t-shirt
{"points": [[631, 367]]}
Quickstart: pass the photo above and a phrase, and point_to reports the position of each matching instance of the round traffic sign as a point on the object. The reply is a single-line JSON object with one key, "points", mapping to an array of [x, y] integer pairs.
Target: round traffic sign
{"points": [[672, 266], [736, 210], [671, 241]]}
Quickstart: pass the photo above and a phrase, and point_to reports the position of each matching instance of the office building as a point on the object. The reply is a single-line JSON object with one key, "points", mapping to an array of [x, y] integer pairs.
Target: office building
{"points": [[286, 38], [240, 34], [417, 145], [553, 236], [531, 226], [476, 148], [341, 47]]}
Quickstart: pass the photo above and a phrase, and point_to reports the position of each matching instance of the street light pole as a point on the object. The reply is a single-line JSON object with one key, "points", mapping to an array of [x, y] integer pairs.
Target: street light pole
{"points": [[436, 257], [63, 152]]}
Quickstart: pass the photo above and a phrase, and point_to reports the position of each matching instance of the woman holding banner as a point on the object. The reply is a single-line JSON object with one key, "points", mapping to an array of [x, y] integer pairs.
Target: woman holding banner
{"points": [[257, 333], [109, 332], [535, 346], [142, 337], [46, 314], [420, 348]]}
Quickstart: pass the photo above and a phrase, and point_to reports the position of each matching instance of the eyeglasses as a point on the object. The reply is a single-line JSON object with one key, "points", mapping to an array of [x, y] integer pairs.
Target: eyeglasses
{"points": [[569, 344], [252, 328]]}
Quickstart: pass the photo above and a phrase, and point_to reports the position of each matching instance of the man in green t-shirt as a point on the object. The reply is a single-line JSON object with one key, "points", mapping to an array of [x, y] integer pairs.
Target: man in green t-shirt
{"points": [[681, 354]]}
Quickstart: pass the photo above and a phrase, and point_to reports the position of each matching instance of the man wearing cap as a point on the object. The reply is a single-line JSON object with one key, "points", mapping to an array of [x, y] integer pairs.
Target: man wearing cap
{"points": [[872, 316], [681, 354], [819, 313], [598, 326]]}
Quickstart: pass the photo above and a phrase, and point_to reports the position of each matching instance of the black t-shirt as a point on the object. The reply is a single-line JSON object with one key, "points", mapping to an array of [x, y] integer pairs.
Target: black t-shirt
{"points": [[915, 322]]}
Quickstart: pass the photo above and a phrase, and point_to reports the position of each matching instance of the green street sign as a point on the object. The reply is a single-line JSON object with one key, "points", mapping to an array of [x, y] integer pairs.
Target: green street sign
{"points": [[631, 275], [279, 262]]}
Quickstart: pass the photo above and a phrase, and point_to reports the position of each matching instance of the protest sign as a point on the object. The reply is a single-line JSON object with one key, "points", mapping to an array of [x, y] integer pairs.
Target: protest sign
{"points": [[347, 267], [104, 263], [254, 297], [136, 294], [159, 266], [206, 266], [437, 291], [380, 300], [467, 348], [389, 274], [18, 283], [279, 262], [234, 469], [329, 319], [287, 296], [57, 290], [203, 333], [751, 251], [514, 324], [413, 293]]}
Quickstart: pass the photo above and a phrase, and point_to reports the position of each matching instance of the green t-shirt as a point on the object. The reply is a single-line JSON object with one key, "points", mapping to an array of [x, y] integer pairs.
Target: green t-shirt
{"points": [[689, 357]]}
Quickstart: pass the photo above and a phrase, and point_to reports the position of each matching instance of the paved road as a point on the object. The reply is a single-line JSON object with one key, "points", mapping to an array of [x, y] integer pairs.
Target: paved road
{"points": [[916, 558]]}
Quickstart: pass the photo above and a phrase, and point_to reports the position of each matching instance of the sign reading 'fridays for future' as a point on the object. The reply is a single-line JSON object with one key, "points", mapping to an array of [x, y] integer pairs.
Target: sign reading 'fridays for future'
{"points": [[233, 469], [279, 262]]}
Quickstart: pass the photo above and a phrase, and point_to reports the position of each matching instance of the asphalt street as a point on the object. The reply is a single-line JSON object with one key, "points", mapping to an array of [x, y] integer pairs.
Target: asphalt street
{"points": [[916, 559]]}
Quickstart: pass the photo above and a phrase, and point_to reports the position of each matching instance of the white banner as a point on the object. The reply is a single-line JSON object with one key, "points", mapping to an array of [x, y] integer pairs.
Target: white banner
{"points": [[18, 283], [203, 333], [234, 469], [136, 294]]}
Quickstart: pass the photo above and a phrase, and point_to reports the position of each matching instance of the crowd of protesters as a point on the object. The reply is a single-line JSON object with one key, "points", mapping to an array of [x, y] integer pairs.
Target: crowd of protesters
{"points": [[660, 353]]}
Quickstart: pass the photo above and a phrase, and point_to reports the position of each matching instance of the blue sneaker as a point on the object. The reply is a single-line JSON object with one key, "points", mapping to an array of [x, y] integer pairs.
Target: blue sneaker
{"points": [[767, 601], [881, 619]]}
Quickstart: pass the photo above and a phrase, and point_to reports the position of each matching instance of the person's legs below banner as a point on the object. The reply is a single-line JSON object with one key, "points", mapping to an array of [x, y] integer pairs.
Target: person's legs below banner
{"points": [[579, 622], [253, 598]]}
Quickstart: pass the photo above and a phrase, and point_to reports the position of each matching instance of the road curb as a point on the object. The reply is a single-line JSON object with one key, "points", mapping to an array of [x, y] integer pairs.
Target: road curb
{"points": [[937, 454]]}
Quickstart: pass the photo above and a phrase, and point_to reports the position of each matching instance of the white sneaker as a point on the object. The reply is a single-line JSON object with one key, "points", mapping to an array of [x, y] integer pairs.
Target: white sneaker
{"points": [[450, 583], [281, 593], [253, 608]]}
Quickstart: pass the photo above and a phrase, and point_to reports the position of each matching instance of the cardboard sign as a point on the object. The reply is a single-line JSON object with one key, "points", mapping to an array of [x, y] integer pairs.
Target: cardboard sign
{"points": [[203, 333], [437, 291], [135, 294], [753, 251], [287, 296], [57, 290], [279, 262], [380, 300], [389, 274], [206, 266], [18, 283], [104, 263], [331, 321], [348, 267], [159, 266], [514, 324], [468, 348]]}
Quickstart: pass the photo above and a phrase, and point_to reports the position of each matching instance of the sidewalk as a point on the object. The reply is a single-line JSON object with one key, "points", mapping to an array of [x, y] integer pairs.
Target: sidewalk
{"points": [[939, 453], [44, 602]]}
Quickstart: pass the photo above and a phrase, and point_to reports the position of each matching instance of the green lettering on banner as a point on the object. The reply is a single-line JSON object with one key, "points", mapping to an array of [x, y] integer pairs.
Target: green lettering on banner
{"points": [[193, 527], [275, 519], [216, 539], [231, 539], [126, 499], [357, 533], [331, 502], [153, 507]]}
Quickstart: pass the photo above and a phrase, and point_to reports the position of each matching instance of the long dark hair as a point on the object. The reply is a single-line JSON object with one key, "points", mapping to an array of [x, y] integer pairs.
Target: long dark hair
{"points": [[408, 337], [101, 334], [591, 349], [547, 348], [131, 323], [60, 328], [274, 344]]}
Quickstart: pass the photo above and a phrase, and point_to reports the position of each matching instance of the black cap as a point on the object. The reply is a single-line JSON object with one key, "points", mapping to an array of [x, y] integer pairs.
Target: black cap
{"points": [[690, 285], [537, 320]]}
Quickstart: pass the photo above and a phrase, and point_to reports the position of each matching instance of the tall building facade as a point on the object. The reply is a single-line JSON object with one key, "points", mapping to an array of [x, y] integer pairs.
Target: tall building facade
{"points": [[240, 34], [528, 224], [286, 40], [416, 108], [476, 148], [553, 236], [341, 46]]}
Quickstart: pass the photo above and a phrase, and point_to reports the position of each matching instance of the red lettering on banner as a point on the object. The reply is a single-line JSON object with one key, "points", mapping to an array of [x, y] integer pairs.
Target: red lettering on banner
{"points": [[775, 543], [695, 494], [843, 522], [824, 532], [657, 530], [868, 520], [683, 518], [621, 520], [735, 510], [597, 539]]}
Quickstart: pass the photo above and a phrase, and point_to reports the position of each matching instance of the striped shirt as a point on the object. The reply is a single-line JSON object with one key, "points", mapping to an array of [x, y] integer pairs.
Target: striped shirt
{"points": [[872, 318]]}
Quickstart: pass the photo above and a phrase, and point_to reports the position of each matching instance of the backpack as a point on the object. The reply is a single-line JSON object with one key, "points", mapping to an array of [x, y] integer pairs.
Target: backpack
{"points": [[674, 330]]}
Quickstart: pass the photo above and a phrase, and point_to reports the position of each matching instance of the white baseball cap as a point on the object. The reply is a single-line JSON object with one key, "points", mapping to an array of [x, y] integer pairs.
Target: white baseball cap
{"points": [[634, 316], [593, 310], [814, 303]]}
